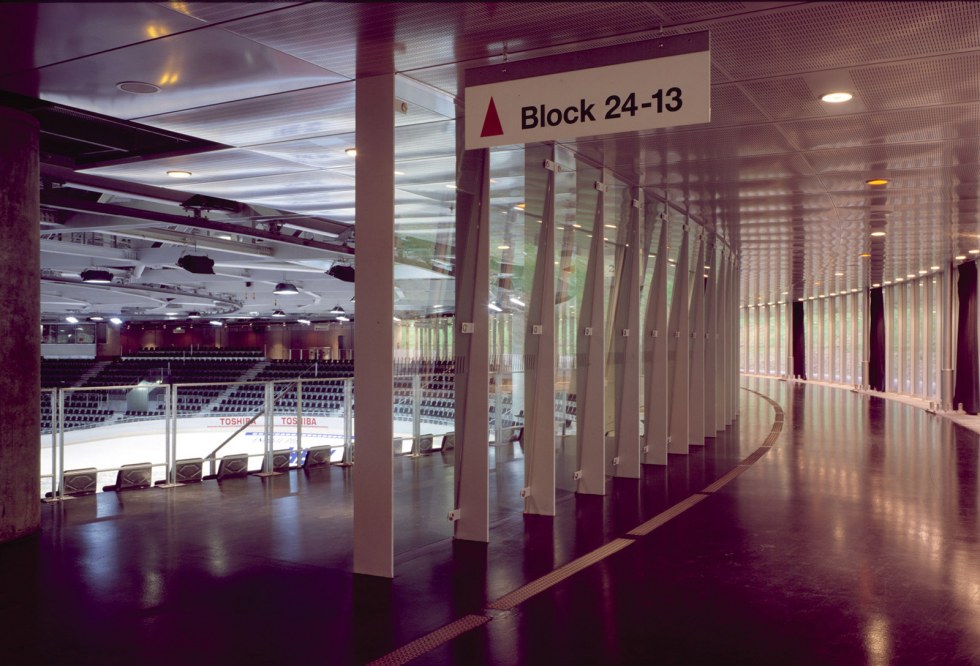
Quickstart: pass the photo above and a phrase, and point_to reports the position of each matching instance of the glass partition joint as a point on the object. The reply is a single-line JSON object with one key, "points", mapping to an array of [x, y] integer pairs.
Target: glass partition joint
{"points": [[269, 432], [57, 448], [170, 435], [348, 458]]}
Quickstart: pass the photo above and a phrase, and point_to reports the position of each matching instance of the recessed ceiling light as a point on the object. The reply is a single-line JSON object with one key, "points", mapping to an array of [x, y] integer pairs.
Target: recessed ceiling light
{"points": [[960, 257], [877, 234], [503, 247], [115, 320], [910, 275], [215, 322], [837, 97], [839, 274], [974, 251], [351, 151], [888, 281], [899, 279], [95, 318], [178, 173], [865, 255], [451, 186], [71, 320], [138, 87], [876, 285], [877, 181], [278, 313], [923, 272], [305, 322], [342, 318], [519, 206]]}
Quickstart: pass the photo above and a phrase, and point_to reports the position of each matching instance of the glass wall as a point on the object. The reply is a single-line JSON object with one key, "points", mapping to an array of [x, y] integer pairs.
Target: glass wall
{"points": [[835, 337]]}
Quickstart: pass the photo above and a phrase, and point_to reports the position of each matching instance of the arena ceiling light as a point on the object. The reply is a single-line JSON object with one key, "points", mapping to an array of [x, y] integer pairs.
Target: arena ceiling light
{"points": [[197, 263], [337, 310], [71, 320], [278, 313], [285, 289], [95, 276]]}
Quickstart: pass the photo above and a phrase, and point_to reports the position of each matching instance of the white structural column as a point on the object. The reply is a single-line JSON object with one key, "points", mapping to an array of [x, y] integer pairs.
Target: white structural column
{"points": [[374, 291], [710, 340], [947, 332], [724, 351], [679, 331], [733, 328], [626, 350], [471, 510], [655, 409], [539, 346], [590, 414], [695, 393]]}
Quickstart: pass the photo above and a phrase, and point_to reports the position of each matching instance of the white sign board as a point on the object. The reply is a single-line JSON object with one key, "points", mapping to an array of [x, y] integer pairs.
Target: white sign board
{"points": [[619, 97]]}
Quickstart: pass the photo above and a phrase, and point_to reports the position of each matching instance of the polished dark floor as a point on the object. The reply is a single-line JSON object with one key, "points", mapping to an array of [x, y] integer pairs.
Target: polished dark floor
{"points": [[853, 541]]}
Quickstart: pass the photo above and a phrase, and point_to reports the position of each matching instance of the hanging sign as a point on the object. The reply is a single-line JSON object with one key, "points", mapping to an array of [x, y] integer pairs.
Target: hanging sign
{"points": [[625, 88]]}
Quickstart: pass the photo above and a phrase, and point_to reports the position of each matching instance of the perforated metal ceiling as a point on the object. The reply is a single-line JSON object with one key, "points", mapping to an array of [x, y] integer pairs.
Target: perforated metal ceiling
{"points": [[779, 173]]}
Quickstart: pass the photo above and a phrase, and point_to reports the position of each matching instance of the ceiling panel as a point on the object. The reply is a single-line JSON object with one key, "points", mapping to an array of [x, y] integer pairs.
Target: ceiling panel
{"points": [[433, 33], [923, 124], [204, 167], [216, 12], [832, 35], [949, 80], [90, 27], [204, 67]]}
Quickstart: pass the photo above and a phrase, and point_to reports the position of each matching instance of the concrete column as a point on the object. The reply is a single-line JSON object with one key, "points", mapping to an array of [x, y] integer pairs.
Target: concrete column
{"points": [[374, 291], [20, 343]]}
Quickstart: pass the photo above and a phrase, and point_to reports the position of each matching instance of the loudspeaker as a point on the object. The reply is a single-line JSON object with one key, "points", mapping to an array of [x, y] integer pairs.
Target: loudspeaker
{"points": [[317, 456], [132, 477], [233, 467]]}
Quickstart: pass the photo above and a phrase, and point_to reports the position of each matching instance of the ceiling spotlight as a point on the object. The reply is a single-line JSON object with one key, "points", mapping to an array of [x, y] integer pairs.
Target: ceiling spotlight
{"points": [[305, 322], [71, 320], [193, 315], [197, 263], [877, 181], [865, 255], [337, 310], [342, 318], [876, 285], [836, 97], [877, 234], [503, 247], [278, 313], [342, 272], [179, 173], [285, 289], [138, 87], [93, 276], [494, 307], [974, 251], [351, 151], [96, 318], [516, 301], [960, 257], [115, 320], [215, 322]]}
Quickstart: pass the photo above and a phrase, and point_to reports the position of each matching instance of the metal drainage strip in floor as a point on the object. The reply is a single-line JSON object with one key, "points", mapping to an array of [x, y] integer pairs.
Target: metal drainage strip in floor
{"points": [[431, 641]]}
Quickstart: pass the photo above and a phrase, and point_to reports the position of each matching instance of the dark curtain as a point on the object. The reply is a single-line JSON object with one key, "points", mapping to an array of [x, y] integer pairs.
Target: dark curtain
{"points": [[799, 342], [876, 367], [967, 390]]}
